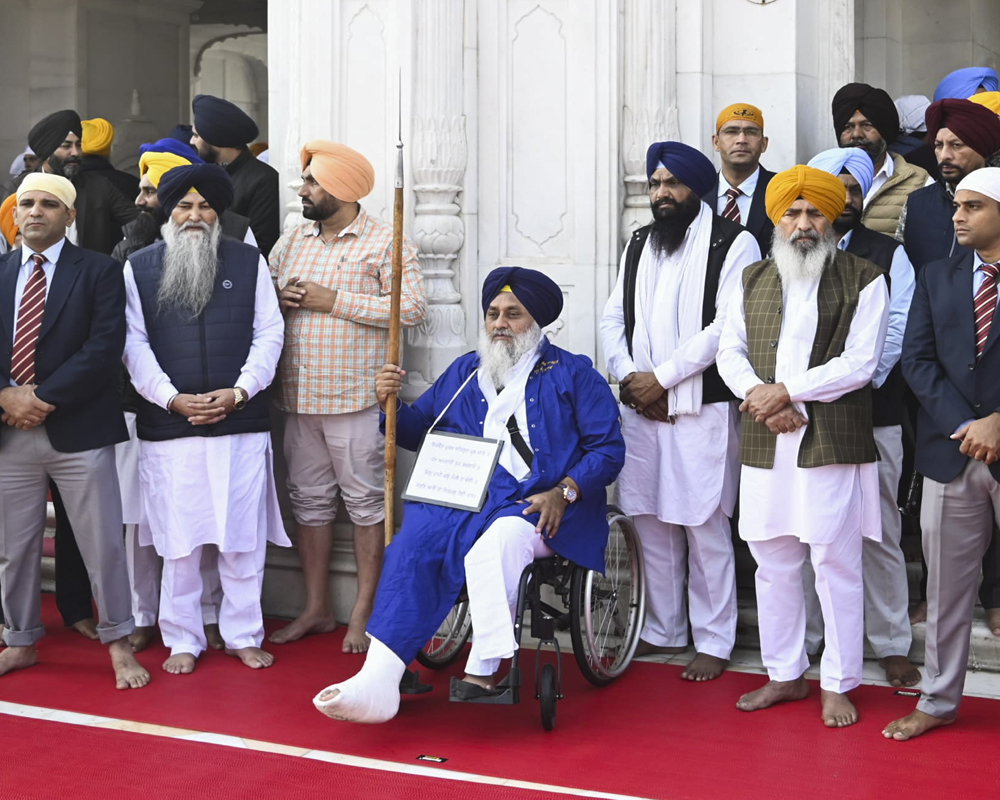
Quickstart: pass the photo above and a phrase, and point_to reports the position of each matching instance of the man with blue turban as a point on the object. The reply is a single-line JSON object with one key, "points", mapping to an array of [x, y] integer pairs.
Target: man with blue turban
{"points": [[887, 622], [660, 334], [963, 83], [562, 446]]}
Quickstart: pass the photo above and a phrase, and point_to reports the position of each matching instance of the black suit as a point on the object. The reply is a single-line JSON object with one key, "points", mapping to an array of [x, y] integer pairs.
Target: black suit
{"points": [[101, 212], [125, 182], [256, 188], [757, 221]]}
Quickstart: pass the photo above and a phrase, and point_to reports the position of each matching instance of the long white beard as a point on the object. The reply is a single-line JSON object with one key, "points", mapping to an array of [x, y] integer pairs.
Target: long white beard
{"points": [[190, 266], [796, 264], [497, 357]]}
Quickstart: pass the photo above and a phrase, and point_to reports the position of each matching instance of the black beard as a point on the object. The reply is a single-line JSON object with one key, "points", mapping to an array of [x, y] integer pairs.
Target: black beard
{"points": [[842, 226], [146, 228], [875, 150], [670, 224], [208, 155], [324, 210], [65, 169]]}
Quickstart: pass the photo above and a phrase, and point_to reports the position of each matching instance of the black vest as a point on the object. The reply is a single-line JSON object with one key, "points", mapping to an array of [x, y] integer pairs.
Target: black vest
{"points": [[887, 399], [929, 234], [724, 233], [204, 353]]}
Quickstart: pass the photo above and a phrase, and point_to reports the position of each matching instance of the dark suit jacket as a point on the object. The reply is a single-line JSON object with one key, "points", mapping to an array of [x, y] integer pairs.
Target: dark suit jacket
{"points": [[79, 352], [939, 364], [101, 212], [124, 182], [756, 222], [256, 188]]}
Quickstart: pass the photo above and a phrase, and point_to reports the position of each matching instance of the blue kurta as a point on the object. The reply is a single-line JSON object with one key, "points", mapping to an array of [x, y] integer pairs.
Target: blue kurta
{"points": [[575, 431]]}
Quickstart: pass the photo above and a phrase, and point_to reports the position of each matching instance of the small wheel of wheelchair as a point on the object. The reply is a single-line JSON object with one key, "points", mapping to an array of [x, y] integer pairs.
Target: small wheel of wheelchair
{"points": [[547, 696], [446, 645], [606, 611]]}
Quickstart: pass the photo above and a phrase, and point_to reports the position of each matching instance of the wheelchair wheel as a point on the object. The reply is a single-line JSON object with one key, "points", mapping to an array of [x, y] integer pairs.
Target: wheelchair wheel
{"points": [[547, 696], [447, 643], [606, 611]]}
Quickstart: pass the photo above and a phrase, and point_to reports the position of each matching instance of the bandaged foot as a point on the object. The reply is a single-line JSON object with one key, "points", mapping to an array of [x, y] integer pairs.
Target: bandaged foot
{"points": [[372, 695]]}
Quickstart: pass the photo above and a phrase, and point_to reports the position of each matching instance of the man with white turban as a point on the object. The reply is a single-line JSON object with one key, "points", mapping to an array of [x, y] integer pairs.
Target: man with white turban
{"points": [[952, 363], [886, 589], [801, 343], [334, 275]]}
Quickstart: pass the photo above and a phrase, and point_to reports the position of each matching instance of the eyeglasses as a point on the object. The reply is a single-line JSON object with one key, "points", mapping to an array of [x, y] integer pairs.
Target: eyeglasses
{"points": [[750, 132]]}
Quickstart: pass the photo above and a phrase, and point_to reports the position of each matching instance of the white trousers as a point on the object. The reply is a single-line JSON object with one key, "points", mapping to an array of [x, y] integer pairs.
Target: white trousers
{"points": [[704, 554], [493, 570], [781, 608], [241, 621], [887, 593], [145, 569]]}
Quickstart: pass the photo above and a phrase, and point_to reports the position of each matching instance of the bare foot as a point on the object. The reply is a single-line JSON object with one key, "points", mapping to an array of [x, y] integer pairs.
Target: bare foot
{"points": [[305, 625], [214, 636], [704, 668], [918, 613], [355, 640], [180, 664], [141, 637], [644, 648], [129, 674], [993, 620], [899, 671], [86, 628], [17, 658], [838, 710], [772, 693], [253, 657], [486, 681], [913, 725]]}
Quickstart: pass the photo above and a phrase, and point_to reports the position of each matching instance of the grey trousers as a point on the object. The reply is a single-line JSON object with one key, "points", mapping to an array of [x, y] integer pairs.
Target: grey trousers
{"points": [[88, 484], [957, 522], [887, 593]]}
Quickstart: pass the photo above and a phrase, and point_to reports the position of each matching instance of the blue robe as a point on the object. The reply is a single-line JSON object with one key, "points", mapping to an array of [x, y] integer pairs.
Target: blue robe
{"points": [[575, 430]]}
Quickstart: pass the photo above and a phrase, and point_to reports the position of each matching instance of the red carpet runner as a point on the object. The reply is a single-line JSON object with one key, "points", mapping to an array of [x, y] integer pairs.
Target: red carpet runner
{"points": [[650, 734]]}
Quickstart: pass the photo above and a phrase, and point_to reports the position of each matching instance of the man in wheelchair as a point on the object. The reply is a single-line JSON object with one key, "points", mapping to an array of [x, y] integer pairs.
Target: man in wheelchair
{"points": [[562, 446]]}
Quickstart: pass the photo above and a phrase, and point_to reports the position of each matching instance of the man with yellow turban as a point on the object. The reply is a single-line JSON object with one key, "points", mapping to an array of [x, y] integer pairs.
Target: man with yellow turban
{"points": [[738, 194], [802, 340], [98, 136], [334, 275]]}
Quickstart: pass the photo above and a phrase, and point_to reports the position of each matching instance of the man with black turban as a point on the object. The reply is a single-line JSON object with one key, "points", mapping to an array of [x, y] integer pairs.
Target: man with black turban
{"points": [[562, 446], [204, 337], [221, 134], [660, 333], [866, 117]]}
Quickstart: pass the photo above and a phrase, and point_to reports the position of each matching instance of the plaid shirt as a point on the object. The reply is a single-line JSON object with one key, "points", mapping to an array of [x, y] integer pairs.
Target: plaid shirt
{"points": [[329, 361]]}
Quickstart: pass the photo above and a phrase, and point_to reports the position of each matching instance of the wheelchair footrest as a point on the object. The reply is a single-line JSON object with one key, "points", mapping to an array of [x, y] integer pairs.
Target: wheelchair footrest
{"points": [[410, 683], [506, 693]]}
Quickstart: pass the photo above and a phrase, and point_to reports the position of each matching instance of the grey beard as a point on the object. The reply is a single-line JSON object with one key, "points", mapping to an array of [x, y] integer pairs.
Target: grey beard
{"points": [[795, 264], [497, 358], [190, 267]]}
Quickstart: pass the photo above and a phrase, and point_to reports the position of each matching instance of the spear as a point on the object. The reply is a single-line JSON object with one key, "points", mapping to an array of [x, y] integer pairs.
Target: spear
{"points": [[394, 325]]}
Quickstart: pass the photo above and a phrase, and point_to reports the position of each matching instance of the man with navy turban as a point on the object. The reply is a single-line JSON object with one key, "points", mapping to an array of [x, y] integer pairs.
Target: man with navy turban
{"points": [[562, 446], [205, 334], [660, 334], [887, 622]]}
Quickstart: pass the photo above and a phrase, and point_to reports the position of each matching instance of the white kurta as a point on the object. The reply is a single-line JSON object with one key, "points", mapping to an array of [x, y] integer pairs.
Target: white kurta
{"points": [[816, 504], [680, 473], [203, 490]]}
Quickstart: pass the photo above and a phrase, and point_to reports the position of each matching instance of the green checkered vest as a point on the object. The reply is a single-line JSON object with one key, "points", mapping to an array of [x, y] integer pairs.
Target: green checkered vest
{"points": [[839, 432]]}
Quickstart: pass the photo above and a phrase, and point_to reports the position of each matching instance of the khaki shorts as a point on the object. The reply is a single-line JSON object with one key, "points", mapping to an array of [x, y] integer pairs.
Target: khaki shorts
{"points": [[329, 455]]}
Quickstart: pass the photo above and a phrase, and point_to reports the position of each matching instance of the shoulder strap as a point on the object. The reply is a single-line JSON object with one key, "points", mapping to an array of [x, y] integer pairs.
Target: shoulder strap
{"points": [[517, 440], [632, 254], [724, 233]]}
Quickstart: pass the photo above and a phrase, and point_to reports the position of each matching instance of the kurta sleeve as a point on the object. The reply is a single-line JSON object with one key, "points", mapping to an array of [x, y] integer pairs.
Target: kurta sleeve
{"points": [[147, 377], [733, 360], [268, 336], [613, 343], [600, 434]]}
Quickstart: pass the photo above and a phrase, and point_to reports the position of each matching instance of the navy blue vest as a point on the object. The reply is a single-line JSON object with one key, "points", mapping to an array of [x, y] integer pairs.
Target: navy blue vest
{"points": [[929, 234], [204, 353]]}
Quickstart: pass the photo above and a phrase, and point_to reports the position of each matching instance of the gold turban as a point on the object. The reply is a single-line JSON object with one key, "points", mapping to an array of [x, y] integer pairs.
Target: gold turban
{"points": [[153, 165], [989, 99], [7, 225], [97, 137], [820, 188], [55, 185], [740, 111], [341, 171]]}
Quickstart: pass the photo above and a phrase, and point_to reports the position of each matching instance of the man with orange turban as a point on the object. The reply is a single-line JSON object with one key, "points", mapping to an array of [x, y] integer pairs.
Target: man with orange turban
{"points": [[334, 276], [802, 340], [98, 136], [8, 226]]}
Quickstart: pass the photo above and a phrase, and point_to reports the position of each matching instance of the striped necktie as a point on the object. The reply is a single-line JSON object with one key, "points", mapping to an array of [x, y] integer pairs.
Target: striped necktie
{"points": [[732, 211], [985, 305], [29, 323]]}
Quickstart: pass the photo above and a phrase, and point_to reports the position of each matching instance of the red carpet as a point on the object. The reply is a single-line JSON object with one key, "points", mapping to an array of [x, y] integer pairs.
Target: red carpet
{"points": [[113, 765], [649, 734]]}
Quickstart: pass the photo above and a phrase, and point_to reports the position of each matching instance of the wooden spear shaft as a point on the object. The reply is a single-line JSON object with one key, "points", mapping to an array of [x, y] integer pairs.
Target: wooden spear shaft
{"points": [[393, 355]]}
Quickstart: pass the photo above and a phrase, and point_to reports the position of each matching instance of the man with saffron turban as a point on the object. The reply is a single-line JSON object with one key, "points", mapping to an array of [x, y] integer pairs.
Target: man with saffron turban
{"points": [[801, 343], [98, 136], [562, 446], [660, 334]]}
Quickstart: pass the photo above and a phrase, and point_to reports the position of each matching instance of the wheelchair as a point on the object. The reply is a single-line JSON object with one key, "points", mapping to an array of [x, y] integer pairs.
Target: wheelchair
{"points": [[604, 614]]}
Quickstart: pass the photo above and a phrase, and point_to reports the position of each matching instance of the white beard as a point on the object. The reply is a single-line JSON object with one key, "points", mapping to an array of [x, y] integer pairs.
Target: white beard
{"points": [[190, 267], [497, 357], [796, 264]]}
